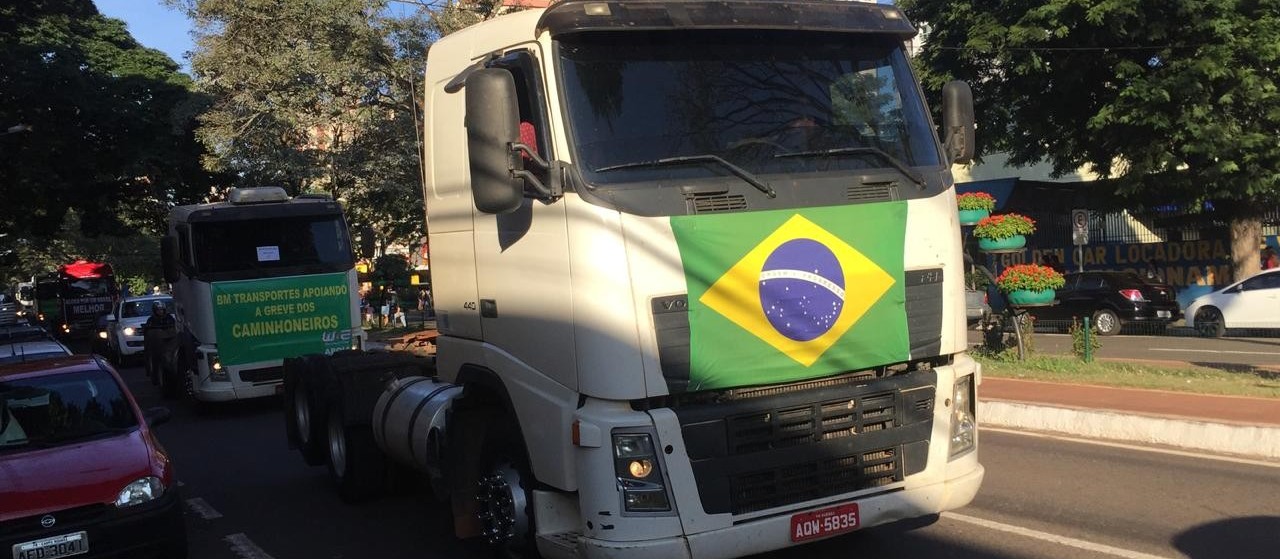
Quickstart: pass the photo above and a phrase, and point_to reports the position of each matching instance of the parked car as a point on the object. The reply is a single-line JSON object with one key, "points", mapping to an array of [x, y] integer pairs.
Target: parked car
{"points": [[10, 310], [1112, 300], [80, 470], [124, 325], [975, 305], [1251, 303]]}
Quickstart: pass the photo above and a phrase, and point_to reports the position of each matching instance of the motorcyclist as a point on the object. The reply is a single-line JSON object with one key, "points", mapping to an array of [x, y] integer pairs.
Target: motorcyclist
{"points": [[156, 333]]}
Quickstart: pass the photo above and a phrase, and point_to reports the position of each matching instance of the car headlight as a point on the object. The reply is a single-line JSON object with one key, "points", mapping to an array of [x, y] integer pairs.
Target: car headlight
{"points": [[140, 491], [129, 331], [639, 475], [964, 426], [102, 334]]}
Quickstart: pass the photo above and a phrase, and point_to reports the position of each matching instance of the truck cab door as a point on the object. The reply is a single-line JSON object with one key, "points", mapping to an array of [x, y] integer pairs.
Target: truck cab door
{"points": [[522, 257]]}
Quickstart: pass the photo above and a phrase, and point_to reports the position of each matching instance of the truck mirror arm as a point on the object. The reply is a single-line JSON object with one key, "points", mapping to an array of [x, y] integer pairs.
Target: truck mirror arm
{"points": [[546, 192]]}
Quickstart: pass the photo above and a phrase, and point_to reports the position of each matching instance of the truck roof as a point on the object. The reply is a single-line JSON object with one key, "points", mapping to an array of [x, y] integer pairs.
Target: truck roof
{"points": [[304, 205]]}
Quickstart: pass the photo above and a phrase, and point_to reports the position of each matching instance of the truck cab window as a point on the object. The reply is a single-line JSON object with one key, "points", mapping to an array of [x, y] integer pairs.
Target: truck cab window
{"points": [[533, 123]]}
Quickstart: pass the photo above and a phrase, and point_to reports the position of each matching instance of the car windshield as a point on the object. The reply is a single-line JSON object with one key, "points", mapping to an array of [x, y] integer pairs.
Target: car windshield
{"points": [[61, 409], [785, 103], [134, 309]]}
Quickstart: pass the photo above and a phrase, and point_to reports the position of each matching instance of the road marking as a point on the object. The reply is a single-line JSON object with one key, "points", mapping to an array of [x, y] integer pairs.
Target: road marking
{"points": [[202, 509], [1052, 538], [1157, 450], [244, 548], [1231, 351]]}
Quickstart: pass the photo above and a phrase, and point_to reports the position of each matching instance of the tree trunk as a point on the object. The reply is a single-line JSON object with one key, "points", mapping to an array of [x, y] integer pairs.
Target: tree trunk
{"points": [[1246, 234]]}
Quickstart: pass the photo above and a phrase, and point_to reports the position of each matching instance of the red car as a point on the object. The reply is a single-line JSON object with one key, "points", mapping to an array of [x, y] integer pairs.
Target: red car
{"points": [[81, 473]]}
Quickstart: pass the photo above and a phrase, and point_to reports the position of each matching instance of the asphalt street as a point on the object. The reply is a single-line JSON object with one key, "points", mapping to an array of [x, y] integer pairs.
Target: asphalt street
{"points": [[250, 497], [1210, 352]]}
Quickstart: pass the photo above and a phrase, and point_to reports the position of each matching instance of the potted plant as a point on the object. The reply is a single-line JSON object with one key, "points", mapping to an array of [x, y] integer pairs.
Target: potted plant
{"points": [[974, 206], [1029, 284], [1003, 232]]}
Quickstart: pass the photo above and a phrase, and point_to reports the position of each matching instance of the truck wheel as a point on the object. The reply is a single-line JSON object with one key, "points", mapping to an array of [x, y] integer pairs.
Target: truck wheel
{"points": [[504, 497], [306, 414], [356, 464]]}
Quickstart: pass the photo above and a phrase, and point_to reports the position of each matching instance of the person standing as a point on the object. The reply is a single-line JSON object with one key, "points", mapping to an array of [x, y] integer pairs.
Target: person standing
{"points": [[1269, 259]]}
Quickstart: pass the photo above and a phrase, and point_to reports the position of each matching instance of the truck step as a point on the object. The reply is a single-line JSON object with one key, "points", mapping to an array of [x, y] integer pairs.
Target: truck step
{"points": [[559, 544]]}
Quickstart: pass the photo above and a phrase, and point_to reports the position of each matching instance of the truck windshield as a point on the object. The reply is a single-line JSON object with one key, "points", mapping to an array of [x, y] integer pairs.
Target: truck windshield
{"points": [[272, 247], [78, 288], [769, 103]]}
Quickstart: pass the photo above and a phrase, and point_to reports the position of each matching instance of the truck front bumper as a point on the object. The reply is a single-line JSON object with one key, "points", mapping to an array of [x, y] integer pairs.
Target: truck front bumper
{"points": [[772, 533]]}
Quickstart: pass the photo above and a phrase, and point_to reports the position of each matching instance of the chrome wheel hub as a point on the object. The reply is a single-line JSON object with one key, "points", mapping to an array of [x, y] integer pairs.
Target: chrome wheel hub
{"points": [[502, 506]]}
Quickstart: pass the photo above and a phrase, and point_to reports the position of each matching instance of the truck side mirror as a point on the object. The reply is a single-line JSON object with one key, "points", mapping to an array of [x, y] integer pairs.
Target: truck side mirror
{"points": [[169, 258], [493, 124], [958, 121]]}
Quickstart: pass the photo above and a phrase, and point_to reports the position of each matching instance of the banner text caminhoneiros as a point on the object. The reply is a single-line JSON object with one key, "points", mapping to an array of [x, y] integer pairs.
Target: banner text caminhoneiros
{"points": [[281, 294], [286, 326]]}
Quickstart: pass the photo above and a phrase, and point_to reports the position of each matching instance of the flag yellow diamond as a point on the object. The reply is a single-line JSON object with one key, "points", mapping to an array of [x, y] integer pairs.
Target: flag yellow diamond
{"points": [[799, 290]]}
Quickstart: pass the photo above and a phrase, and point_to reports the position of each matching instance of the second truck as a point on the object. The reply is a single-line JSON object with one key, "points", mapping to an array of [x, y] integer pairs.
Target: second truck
{"points": [[698, 274]]}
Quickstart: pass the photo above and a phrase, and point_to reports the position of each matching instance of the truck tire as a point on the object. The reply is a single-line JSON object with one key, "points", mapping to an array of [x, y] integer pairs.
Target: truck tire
{"points": [[505, 493], [356, 464], [305, 410]]}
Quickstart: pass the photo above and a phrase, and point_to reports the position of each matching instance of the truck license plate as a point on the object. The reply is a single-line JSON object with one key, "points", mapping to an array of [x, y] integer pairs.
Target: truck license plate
{"points": [[51, 548], [826, 522], [1164, 314]]}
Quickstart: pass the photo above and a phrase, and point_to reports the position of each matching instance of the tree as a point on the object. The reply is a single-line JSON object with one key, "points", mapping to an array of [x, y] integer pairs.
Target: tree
{"points": [[111, 136], [1175, 101], [317, 95]]}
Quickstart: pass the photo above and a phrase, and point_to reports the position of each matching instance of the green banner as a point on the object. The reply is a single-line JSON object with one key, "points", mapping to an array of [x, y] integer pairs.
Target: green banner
{"points": [[780, 296], [263, 319]]}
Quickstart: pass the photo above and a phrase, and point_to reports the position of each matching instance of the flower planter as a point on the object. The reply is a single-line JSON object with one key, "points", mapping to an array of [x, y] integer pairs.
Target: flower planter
{"points": [[1008, 243], [1025, 297], [972, 217]]}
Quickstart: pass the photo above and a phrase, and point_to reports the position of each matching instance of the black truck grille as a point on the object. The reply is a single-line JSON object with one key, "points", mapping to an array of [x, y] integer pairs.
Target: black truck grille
{"points": [[809, 443], [814, 480], [268, 374]]}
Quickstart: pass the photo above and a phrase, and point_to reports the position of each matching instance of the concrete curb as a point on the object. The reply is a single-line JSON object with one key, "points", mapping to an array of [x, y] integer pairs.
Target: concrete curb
{"points": [[1245, 440]]}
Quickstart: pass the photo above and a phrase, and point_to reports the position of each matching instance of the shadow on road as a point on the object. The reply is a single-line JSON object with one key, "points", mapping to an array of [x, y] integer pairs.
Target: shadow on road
{"points": [[1265, 374], [1238, 538]]}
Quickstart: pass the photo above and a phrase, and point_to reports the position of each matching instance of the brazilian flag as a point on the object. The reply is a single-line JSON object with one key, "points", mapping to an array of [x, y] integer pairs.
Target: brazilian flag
{"points": [[780, 296]]}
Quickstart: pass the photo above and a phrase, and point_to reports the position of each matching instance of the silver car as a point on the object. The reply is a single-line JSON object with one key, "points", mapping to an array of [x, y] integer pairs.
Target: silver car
{"points": [[124, 324]]}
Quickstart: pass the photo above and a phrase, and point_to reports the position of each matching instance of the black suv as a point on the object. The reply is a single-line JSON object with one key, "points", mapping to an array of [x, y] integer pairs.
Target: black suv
{"points": [[1112, 300]]}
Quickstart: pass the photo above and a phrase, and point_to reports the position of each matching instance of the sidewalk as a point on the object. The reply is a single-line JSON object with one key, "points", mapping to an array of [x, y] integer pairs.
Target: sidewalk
{"points": [[1218, 424]]}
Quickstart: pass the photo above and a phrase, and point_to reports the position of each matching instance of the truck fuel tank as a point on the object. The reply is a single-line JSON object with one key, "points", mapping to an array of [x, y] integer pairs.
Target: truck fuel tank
{"points": [[409, 422]]}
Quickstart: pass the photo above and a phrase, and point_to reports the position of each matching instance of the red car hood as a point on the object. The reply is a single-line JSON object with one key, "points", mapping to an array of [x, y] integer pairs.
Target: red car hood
{"points": [[50, 479]]}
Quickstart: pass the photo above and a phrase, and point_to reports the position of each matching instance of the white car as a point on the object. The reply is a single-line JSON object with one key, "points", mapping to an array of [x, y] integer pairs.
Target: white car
{"points": [[1251, 303], [124, 324]]}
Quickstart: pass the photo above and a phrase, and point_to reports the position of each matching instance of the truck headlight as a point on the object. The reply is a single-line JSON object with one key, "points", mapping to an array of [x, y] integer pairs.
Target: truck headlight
{"points": [[635, 462], [102, 334], [140, 491], [216, 371], [129, 331], [964, 426]]}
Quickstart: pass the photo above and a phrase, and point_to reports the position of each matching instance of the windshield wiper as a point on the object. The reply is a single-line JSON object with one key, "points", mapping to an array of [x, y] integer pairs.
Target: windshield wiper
{"points": [[688, 159], [906, 171]]}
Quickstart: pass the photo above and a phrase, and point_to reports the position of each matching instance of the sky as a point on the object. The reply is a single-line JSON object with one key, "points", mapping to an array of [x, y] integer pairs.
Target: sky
{"points": [[153, 25]]}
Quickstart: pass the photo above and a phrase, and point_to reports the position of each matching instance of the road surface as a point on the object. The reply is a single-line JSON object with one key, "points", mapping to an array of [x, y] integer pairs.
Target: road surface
{"points": [[250, 497]]}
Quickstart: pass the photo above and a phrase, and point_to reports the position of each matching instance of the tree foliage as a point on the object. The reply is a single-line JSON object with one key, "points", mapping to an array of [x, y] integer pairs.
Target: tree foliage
{"points": [[111, 135], [317, 95], [1176, 101]]}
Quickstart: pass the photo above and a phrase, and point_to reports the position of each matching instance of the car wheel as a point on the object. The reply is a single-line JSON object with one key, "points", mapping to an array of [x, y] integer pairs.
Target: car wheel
{"points": [[1106, 321], [1209, 322]]}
